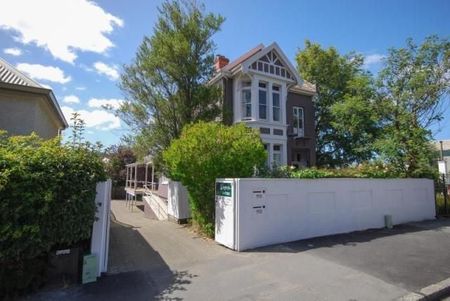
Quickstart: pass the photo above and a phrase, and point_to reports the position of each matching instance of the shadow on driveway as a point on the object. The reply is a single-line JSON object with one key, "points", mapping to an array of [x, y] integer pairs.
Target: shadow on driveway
{"points": [[411, 256], [136, 272], [353, 238]]}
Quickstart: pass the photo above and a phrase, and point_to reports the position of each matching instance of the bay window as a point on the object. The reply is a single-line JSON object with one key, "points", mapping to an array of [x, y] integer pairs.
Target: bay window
{"points": [[262, 100], [276, 107], [246, 100], [276, 155]]}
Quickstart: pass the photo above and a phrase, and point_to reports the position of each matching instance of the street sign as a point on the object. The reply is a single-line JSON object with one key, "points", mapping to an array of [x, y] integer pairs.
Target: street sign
{"points": [[223, 189]]}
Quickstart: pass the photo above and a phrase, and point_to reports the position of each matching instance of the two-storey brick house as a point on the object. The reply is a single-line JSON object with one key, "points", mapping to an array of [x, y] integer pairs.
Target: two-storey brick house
{"points": [[262, 89]]}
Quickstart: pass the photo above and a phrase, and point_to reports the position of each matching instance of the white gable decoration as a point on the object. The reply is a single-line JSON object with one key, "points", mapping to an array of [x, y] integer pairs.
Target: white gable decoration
{"points": [[272, 60], [270, 63]]}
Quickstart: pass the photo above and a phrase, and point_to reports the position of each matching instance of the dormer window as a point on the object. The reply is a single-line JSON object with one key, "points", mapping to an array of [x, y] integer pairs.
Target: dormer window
{"points": [[262, 100], [246, 100]]}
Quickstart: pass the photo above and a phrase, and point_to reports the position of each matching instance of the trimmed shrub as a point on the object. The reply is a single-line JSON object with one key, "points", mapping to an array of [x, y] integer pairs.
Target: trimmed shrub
{"points": [[374, 170], [47, 193], [206, 151]]}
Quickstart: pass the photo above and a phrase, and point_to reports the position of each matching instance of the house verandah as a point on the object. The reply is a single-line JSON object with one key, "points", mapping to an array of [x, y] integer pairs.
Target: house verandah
{"points": [[161, 197]]}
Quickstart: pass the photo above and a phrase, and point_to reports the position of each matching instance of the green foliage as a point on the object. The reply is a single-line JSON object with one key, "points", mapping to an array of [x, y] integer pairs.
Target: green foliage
{"points": [[206, 151], [166, 86], [373, 170], [117, 157], [412, 89], [345, 115], [78, 127], [47, 193]]}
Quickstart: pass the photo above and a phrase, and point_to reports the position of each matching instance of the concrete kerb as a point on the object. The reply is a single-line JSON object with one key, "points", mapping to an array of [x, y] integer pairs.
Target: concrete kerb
{"points": [[431, 292]]}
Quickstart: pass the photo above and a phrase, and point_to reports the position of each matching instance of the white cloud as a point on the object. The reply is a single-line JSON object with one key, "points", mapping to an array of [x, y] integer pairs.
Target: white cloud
{"points": [[80, 88], [61, 27], [373, 59], [13, 51], [96, 119], [71, 99], [48, 73], [110, 71], [100, 103], [46, 86]]}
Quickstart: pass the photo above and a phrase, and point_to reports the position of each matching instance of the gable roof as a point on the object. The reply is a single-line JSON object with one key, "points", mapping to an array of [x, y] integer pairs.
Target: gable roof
{"points": [[273, 47], [13, 79], [243, 58], [244, 62]]}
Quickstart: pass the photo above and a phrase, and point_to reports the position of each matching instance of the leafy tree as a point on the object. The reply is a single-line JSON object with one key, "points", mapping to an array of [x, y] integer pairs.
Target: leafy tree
{"points": [[165, 86], [413, 87], [117, 157], [206, 151], [345, 122], [78, 127]]}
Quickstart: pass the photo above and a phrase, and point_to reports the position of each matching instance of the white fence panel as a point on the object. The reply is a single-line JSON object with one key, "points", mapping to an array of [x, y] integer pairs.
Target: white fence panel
{"points": [[178, 202], [270, 211], [100, 230]]}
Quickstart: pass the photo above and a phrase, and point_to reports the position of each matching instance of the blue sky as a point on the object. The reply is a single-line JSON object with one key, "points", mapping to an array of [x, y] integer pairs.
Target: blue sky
{"points": [[78, 47]]}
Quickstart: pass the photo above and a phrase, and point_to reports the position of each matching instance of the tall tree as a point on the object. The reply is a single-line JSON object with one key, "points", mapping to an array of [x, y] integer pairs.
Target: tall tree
{"points": [[345, 121], [414, 85], [165, 85]]}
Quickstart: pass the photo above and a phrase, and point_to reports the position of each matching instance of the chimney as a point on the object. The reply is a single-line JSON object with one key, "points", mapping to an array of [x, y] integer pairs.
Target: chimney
{"points": [[220, 61]]}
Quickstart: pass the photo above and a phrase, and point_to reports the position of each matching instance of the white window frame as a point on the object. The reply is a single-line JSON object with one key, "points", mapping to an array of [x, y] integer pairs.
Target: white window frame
{"points": [[298, 131], [246, 87], [279, 103], [266, 105], [278, 153]]}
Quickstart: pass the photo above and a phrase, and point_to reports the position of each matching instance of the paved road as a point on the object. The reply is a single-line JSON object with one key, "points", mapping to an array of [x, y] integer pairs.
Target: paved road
{"points": [[151, 260]]}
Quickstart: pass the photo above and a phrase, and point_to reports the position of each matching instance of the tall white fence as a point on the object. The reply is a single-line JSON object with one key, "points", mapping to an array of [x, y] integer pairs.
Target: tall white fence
{"points": [[100, 230], [260, 212], [178, 202]]}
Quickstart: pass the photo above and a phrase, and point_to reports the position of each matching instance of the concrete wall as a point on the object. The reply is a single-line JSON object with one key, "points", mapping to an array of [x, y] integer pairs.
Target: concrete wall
{"points": [[290, 209], [177, 201], [22, 113]]}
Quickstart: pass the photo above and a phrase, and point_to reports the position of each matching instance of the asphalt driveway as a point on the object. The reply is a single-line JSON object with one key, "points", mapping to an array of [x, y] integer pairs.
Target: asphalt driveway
{"points": [[150, 260]]}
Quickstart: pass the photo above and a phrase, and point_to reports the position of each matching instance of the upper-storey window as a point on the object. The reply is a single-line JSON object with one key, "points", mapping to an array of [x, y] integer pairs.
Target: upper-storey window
{"points": [[246, 100], [276, 107], [298, 123], [271, 63], [262, 100]]}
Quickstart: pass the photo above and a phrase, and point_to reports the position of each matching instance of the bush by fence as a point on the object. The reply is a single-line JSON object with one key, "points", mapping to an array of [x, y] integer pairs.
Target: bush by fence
{"points": [[206, 151], [372, 170], [47, 193]]}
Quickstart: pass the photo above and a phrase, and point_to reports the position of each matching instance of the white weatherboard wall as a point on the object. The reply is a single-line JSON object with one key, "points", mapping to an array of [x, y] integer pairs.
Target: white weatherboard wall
{"points": [[270, 211]]}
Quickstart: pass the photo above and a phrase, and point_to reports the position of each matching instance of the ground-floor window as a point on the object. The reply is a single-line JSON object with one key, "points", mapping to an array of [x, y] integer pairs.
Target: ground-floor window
{"points": [[276, 155]]}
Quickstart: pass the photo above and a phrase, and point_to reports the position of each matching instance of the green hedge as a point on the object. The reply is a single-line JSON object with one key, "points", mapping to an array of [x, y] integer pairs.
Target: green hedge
{"points": [[374, 170], [47, 193]]}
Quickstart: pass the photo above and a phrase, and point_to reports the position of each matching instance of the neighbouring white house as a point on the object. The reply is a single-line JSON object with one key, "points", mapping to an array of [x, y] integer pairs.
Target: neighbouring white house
{"points": [[26, 106], [264, 90]]}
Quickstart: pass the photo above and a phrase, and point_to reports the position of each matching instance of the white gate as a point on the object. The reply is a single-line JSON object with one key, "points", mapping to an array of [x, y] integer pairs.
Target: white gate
{"points": [[100, 230]]}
